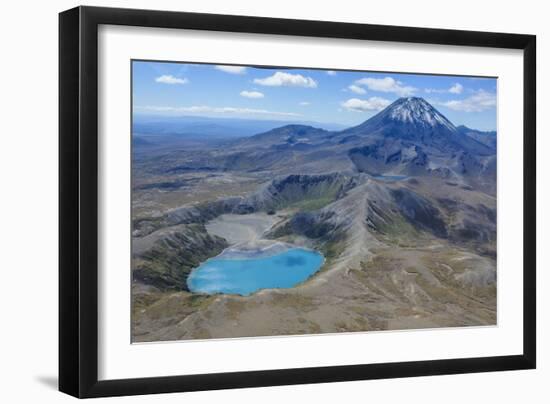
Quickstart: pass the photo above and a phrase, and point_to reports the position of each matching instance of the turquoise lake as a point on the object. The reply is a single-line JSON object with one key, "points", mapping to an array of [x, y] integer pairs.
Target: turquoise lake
{"points": [[246, 276]]}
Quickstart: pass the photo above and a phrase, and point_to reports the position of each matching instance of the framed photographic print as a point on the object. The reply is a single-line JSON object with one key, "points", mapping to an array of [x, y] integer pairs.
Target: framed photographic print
{"points": [[251, 201]]}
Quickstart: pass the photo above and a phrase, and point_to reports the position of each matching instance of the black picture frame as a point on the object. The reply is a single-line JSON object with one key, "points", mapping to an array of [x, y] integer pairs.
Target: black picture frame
{"points": [[78, 201]]}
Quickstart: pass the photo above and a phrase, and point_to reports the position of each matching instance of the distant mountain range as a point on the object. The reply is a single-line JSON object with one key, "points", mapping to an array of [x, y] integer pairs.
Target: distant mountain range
{"points": [[408, 138], [205, 127]]}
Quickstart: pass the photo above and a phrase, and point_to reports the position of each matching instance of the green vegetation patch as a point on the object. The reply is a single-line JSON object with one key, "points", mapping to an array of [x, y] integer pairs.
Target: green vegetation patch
{"points": [[398, 231], [309, 205]]}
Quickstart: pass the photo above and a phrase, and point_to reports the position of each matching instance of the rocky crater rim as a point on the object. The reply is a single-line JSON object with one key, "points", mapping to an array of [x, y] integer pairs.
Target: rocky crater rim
{"points": [[258, 249]]}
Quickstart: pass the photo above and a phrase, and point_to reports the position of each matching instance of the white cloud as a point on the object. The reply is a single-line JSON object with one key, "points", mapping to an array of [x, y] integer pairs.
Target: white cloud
{"points": [[205, 109], [356, 89], [232, 69], [480, 101], [252, 94], [331, 72], [371, 104], [169, 79], [280, 79], [456, 88], [386, 85], [305, 103]]}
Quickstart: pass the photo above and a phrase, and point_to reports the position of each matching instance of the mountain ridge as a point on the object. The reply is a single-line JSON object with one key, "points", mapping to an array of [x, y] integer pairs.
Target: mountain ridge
{"points": [[407, 118], [414, 119], [408, 138], [488, 138]]}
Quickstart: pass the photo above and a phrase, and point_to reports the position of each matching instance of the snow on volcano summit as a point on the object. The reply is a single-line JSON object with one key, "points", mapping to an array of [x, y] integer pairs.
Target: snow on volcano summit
{"points": [[416, 110]]}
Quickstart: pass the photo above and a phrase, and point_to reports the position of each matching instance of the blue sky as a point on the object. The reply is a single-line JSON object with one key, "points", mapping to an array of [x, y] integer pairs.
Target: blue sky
{"points": [[325, 96]]}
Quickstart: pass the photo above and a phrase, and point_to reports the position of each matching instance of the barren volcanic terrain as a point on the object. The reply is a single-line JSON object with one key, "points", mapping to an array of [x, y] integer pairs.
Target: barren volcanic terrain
{"points": [[402, 207]]}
